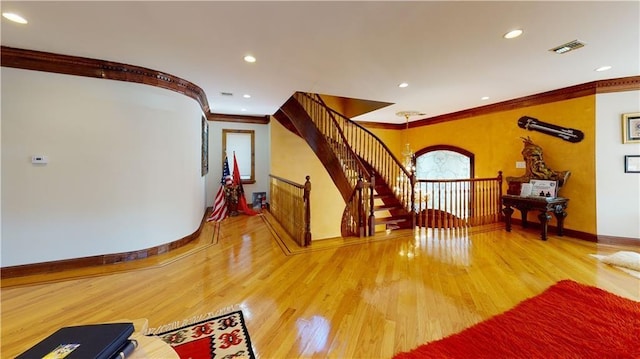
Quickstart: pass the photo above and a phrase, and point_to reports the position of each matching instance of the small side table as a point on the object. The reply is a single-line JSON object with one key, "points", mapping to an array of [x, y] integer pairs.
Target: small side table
{"points": [[545, 205]]}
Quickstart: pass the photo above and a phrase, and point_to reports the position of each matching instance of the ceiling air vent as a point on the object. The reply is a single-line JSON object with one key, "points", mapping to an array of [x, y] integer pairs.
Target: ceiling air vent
{"points": [[571, 45], [226, 93]]}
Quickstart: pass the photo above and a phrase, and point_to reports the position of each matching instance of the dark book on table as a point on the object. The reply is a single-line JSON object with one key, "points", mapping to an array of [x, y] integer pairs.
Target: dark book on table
{"points": [[94, 341]]}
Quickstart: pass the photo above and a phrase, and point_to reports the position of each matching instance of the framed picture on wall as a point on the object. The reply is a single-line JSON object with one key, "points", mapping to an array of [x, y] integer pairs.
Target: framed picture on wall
{"points": [[631, 128], [205, 147], [632, 164]]}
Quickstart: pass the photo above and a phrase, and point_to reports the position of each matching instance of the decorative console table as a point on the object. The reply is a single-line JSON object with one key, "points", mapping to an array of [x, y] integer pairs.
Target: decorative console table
{"points": [[545, 205]]}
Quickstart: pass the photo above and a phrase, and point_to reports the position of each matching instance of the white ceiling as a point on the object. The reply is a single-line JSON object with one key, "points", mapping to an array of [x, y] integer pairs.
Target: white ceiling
{"points": [[450, 53]]}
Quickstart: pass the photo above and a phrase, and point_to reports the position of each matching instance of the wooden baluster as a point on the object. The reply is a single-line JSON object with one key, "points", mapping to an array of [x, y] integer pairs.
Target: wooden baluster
{"points": [[360, 207], [307, 211]]}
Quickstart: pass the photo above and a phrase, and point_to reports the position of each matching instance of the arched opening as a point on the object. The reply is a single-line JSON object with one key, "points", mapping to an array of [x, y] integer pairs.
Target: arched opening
{"points": [[438, 196], [444, 162]]}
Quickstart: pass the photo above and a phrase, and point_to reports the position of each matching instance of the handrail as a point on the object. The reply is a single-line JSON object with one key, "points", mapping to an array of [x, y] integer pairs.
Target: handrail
{"points": [[358, 217], [344, 151], [371, 149], [457, 203], [362, 167], [290, 205], [301, 186]]}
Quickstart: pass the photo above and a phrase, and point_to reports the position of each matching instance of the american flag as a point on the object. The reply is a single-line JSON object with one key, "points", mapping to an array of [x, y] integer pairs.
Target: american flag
{"points": [[220, 204]]}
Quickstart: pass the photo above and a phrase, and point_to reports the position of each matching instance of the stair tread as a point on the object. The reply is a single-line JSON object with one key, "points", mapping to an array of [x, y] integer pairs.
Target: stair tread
{"points": [[387, 220], [386, 207], [384, 195]]}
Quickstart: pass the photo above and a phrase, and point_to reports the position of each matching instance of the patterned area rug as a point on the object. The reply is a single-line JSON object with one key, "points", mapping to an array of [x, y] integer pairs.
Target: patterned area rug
{"points": [[568, 320], [223, 336]]}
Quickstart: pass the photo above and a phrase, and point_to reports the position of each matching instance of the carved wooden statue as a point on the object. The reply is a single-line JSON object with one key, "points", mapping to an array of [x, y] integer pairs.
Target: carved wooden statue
{"points": [[536, 168]]}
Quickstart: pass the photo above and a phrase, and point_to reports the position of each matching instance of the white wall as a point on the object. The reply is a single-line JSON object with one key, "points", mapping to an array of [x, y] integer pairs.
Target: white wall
{"points": [[123, 171], [262, 158], [618, 193]]}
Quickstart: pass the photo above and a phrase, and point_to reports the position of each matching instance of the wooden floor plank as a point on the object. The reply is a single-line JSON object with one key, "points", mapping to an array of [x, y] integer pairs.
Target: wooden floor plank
{"points": [[338, 299]]}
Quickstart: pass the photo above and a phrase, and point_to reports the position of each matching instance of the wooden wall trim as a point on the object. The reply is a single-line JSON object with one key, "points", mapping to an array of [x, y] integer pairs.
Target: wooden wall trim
{"points": [[262, 120], [619, 241], [589, 237], [381, 125], [75, 263], [552, 230], [596, 87], [590, 88], [82, 66]]}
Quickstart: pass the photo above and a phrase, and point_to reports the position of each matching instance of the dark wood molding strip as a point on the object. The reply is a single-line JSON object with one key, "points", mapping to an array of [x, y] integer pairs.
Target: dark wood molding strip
{"points": [[620, 84], [590, 88], [596, 87], [619, 241], [75, 263], [380, 125], [262, 120], [552, 230], [600, 239], [82, 66]]}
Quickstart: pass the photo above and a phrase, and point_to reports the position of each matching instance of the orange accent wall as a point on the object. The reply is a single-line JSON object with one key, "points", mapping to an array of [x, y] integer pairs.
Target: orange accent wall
{"points": [[495, 139], [293, 159], [394, 139]]}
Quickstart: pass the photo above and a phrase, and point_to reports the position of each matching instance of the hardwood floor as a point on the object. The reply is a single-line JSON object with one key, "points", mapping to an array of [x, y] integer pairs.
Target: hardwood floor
{"points": [[338, 300]]}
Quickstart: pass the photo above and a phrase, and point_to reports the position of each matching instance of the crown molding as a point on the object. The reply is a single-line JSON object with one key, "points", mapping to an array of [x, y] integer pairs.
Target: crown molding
{"points": [[81, 66], [262, 120], [87, 67], [590, 88], [381, 125]]}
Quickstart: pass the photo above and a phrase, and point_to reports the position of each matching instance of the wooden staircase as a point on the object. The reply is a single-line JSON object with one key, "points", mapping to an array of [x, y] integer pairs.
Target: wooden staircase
{"points": [[360, 165], [388, 210]]}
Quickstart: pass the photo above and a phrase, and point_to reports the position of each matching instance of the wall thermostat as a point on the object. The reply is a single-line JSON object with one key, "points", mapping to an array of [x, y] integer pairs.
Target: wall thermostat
{"points": [[39, 159]]}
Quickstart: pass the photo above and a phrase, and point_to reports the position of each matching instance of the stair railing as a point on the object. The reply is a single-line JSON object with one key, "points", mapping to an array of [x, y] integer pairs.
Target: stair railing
{"points": [[365, 145], [352, 166], [358, 218], [458, 203], [290, 205]]}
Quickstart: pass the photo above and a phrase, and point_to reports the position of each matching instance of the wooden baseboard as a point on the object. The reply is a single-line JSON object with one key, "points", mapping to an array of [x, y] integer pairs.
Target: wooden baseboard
{"points": [[619, 241], [75, 263], [609, 240]]}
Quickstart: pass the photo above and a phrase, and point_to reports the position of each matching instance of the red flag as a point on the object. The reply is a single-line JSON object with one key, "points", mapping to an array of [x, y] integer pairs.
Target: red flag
{"points": [[242, 202], [220, 203]]}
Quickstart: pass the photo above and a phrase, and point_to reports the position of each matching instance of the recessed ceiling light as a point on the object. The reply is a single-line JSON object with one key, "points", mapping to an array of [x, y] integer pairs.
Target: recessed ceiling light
{"points": [[403, 85], [246, 95], [243, 109], [484, 98], [603, 68], [14, 17], [249, 58], [513, 34]]}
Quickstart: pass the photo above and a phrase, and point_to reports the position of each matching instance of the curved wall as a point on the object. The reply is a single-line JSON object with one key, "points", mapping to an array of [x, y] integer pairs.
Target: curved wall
{"points": [[123, 171]]}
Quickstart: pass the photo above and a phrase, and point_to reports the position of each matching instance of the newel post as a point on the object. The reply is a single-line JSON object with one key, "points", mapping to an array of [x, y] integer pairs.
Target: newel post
{"points": [[500, 216], [372, 216], [307, 212], [413, 198], [359, 199]]}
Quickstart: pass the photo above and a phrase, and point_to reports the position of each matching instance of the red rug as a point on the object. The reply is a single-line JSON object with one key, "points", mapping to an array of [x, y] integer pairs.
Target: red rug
{"points": [[568, 320], [224, 336]]}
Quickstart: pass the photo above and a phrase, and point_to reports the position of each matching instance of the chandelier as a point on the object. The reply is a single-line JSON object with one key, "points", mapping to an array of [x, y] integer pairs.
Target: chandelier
{"points": [[407, 152]]}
